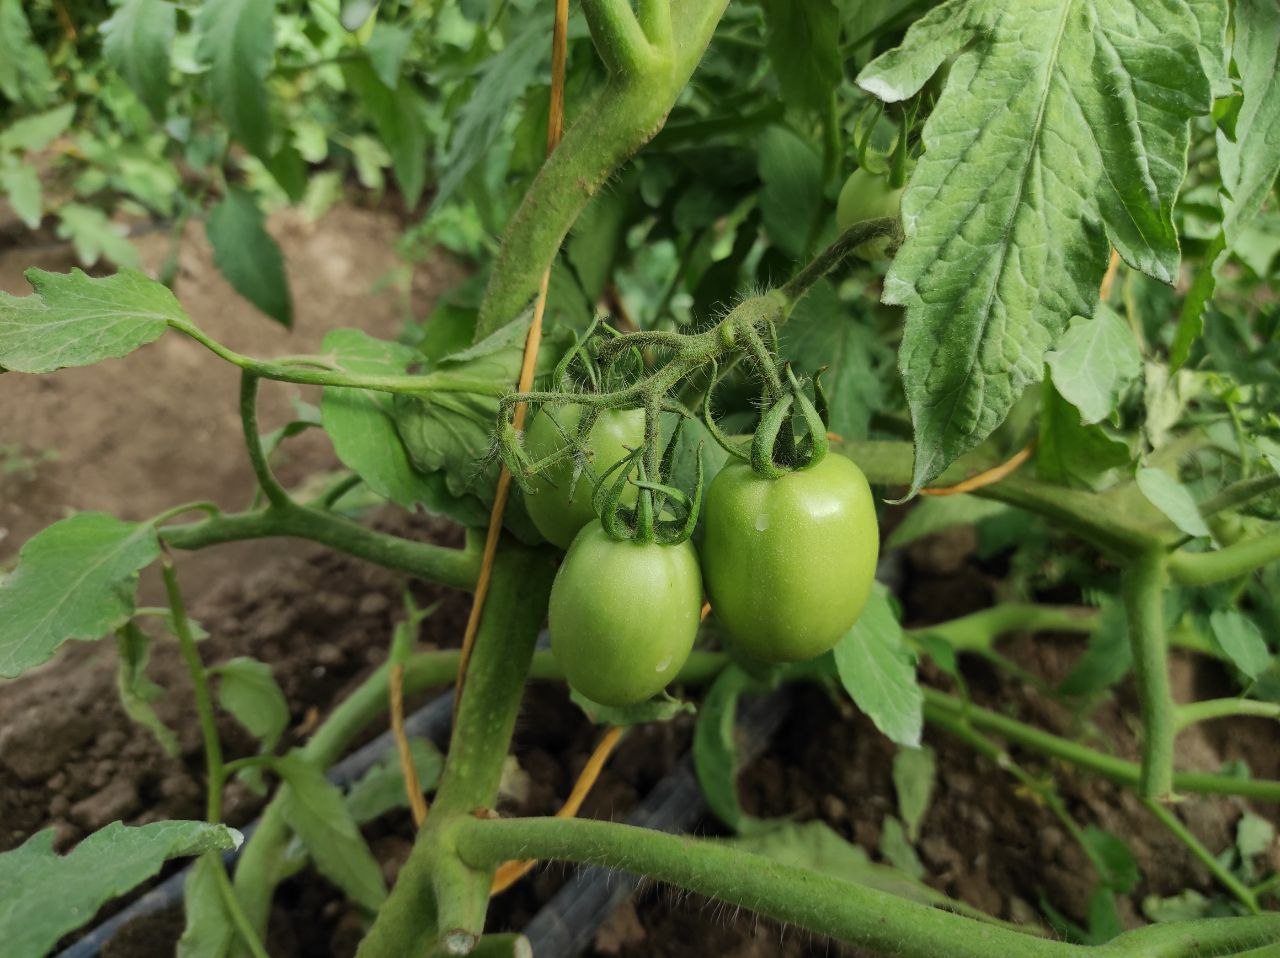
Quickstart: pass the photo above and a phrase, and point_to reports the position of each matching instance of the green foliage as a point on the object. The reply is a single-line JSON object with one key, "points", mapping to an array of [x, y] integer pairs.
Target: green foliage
{"points": [[878, 671], [44, 895], [247, 255], [248, 690], [74, 580], [382, 787]]}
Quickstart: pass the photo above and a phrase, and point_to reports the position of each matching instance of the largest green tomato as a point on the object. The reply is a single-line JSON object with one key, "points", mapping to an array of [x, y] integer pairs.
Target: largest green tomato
{"points": [[624, 615], [789, 562], [560, 507]]}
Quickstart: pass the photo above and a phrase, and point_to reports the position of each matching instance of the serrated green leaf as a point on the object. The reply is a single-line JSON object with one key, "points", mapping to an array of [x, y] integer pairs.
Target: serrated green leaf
{"points": [[1187, 905], [791, 188], [382, 787], [1071, 453], [44, 895], [397, 114], [208, 932], [1173, 499], [896, 848], [1250, 164], [1094, 362], [1241, 640], [715, 749], [247, 255], [1080, 112], [237, 44], [386, 49], [502, 81], [25, 76], [878, 671], [138, 693], [22, 185], [824, 333], [248, 690], [803, 44], [1254, 835], [914, 773], [136, 42], [360, 422], [94, 236], [37, 131], [1107, 658], [932, 515], [315, 811], [1212, 17], [74, 581], [1119, 867]]}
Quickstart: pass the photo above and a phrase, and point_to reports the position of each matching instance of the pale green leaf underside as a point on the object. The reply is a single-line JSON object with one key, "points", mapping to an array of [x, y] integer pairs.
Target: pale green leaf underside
{"points": [[877, 671], [1242, 641], [1094, 363], [1172, 498], [74, 580], [75, 320], [44, 895], [208, 932], [1063, 124], [248, 690]]}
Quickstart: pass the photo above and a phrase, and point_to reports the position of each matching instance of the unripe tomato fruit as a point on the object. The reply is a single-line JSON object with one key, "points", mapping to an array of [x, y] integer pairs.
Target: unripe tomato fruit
{"points": [[789, 562], [866, 196], [559, 507], [624, 615]]}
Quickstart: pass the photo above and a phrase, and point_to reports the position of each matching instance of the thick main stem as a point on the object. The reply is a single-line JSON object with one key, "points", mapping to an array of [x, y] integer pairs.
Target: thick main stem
{"points": [[1143, 584], [436, 894]]}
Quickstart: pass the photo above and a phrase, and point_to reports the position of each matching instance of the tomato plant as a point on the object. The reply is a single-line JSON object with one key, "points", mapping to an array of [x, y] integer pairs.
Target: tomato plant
{"points": [[811, 535], [1048, 331], [624, 615]]}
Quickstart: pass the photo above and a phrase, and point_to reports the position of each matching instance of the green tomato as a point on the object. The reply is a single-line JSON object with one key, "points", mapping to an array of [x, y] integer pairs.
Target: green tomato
{"points": [[866, 196], [624, 615], [789, 562], [561, 507]]}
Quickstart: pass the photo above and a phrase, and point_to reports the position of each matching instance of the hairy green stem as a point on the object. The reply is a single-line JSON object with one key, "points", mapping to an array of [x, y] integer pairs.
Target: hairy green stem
{"points": [[833, 255], [200, 692], [623, 117], [1206, 857], [819, 903], [437, 896], [1143, 584], [316, 371], [978, 631], [1114, 769], [270, 486], [1206, 568], [452, 567], [1238, 493], [1194, 712]]}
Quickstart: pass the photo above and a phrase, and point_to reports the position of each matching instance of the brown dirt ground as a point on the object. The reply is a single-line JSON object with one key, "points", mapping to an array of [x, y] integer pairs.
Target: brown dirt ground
{"points": [[70, 758]]}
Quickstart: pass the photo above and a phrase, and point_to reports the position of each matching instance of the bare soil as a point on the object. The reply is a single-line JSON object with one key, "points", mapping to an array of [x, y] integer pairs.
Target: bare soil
{"points": [[137, 435]]}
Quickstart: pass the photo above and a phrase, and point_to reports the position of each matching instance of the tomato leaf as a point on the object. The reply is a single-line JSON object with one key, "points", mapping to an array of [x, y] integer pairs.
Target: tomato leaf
{"points": [[382, 787], [360, 423], [1173, 499], [715, 749], [94, 236], [37, 131], [44, 895], [1071, 453], [247, 255], [803, 43], [237, 44], [397, 112], [25, 76], [1241, 639], [136, 42], [74, 581], [138, 693], [208, 932], [1119, 867], [1250, 164], [825, 333], [1094, 362], [878, 671], [896, 848], [914, 772], [1041, 98], [315, 811], [1107, 658], [248, 690], [22, 185], [791, 189]]}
